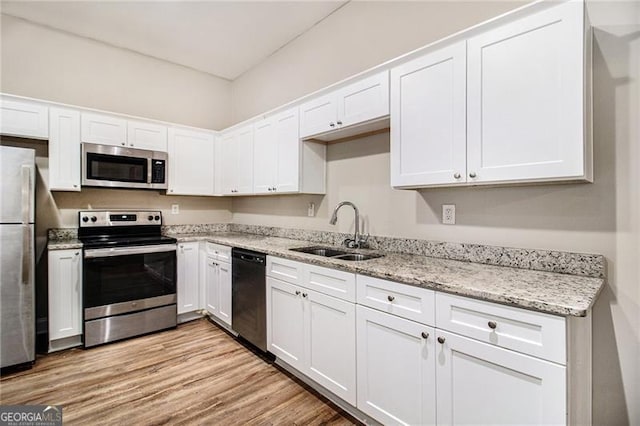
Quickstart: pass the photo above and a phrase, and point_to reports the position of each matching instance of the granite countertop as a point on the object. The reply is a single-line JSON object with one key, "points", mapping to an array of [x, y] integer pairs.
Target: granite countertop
{"points": [[64, 244], [559, 294]]}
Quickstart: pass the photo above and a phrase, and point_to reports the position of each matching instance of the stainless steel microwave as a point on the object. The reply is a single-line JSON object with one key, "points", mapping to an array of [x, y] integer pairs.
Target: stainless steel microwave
{"points": [[121, 167]]}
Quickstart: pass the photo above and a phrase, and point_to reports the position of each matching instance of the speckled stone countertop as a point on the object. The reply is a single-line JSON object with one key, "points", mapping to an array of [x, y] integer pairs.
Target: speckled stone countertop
{"points": [[560, 294]]}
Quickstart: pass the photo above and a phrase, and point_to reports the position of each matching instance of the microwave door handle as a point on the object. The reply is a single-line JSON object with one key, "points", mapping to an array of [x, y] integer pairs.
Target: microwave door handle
{"points": [[149, 170]]}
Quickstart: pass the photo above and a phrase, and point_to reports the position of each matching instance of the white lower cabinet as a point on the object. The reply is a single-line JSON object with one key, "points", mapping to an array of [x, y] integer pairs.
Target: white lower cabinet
{"points": [[480, 383], [65, 296], [396, 368], [285, 319], [315, 334], [413, 356], [217, 288], [188, 285]]}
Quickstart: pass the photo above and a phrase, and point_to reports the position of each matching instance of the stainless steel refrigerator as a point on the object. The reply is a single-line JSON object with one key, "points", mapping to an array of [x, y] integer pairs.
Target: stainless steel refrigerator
{"points": [[17, 273]]}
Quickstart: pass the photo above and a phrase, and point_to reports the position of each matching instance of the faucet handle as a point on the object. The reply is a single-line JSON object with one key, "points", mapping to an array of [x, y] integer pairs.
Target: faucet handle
{"points": [[364, 241], [349, 242]]}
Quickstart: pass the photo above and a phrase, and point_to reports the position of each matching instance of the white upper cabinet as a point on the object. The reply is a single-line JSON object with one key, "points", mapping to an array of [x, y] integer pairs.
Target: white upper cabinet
{"points": [[526, 103], [524, 116], [64, 149], [103, 129], [284, 164], [191, 162], [237, 161], [143, 135], [428, 115], [318, 115], [24, 118], [357, 104], [265, 153]]}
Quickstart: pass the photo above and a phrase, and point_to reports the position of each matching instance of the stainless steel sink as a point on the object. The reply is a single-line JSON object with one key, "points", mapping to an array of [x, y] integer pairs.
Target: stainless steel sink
{"points": [[336, 254], [320, 251], [357, 257]]}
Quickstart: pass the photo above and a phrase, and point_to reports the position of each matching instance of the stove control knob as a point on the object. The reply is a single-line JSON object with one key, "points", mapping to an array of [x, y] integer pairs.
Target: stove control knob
{"points": [[94, 219], [85, 219], [150, 217], [157, 217]]}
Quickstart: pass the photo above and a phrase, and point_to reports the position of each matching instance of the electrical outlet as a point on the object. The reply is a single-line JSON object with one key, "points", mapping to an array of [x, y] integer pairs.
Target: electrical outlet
{"points": [[311, 210], [175, 208], [449, 214]]}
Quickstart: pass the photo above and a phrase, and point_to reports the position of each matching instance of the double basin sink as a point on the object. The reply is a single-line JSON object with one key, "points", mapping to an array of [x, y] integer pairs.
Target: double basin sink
{"points": [[336, 254]]}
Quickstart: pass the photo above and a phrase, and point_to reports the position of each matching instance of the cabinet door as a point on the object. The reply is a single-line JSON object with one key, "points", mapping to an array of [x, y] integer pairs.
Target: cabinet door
{"points": [[188, 288], [285, 322], [65, 293], [224, 288], [428, 119], [318, 115], [244, 160], [229, 173], [103, 129], [364, 100], [396, 369], [265, 149], [526, 100], [212, 286], [24, 119], [191, 162], [288, 152], [147, 136], [483, 384], [330, 333], [64, 149]]}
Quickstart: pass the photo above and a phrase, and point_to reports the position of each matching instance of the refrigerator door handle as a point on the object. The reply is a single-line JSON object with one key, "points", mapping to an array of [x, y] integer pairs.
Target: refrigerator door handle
{"points": [[26, 194], [26, 230], [26, 254]]}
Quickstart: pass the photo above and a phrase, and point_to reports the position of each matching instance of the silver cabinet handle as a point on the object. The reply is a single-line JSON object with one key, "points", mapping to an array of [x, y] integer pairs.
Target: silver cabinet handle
{"points": [[75, 186], [331, 124], [492, 325], [122, 144], [391, 298], [77, 253], [425, 335], [441, 340], [472, 175], [339, 123], [297, 292], [304, 294], [456, 175]]}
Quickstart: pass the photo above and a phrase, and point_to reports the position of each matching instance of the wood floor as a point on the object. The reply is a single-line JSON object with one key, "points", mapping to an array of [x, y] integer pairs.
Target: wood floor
{"points": [[196, 374]]}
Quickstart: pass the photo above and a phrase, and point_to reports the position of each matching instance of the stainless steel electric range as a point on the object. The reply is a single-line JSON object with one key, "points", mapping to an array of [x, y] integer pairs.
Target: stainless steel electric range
{"points": [[128, 275]]}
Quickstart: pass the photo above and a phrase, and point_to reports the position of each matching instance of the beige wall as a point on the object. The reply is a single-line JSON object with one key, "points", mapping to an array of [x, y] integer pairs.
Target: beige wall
{"points": [[48, 64], [44, 63], [603, 217]]}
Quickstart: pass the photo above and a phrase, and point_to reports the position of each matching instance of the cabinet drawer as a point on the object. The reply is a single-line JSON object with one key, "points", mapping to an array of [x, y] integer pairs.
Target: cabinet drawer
{"points": [[403, 300], [285, 270], [335, 283], [532, 333], [218, 252]]}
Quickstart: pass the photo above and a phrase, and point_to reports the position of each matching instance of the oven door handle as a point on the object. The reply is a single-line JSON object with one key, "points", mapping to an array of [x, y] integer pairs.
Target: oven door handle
{"points": [[124, 251]]}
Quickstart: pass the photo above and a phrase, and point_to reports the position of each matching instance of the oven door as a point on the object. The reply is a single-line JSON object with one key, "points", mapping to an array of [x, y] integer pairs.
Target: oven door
{"points": [[125, 279]]}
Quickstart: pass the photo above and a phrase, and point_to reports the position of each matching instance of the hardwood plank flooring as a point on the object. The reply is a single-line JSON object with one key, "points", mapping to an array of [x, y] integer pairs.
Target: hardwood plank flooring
{"points": [[196, 374]]}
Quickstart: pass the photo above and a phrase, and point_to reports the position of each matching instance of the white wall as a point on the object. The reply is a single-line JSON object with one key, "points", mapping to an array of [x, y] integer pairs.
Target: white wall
{"points": [[603, 217], [40, 62]]}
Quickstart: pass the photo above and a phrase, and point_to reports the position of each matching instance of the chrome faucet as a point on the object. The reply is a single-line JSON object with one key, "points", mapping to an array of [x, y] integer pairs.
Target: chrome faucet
{"points": [[357, 241]]}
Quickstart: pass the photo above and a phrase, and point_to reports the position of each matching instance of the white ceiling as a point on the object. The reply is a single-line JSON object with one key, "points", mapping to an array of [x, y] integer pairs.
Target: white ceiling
{"points": [[223, 38]]}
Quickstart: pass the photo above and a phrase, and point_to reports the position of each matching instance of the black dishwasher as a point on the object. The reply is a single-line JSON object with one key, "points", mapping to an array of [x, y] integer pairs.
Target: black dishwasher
{"points": [[249, 296]]}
